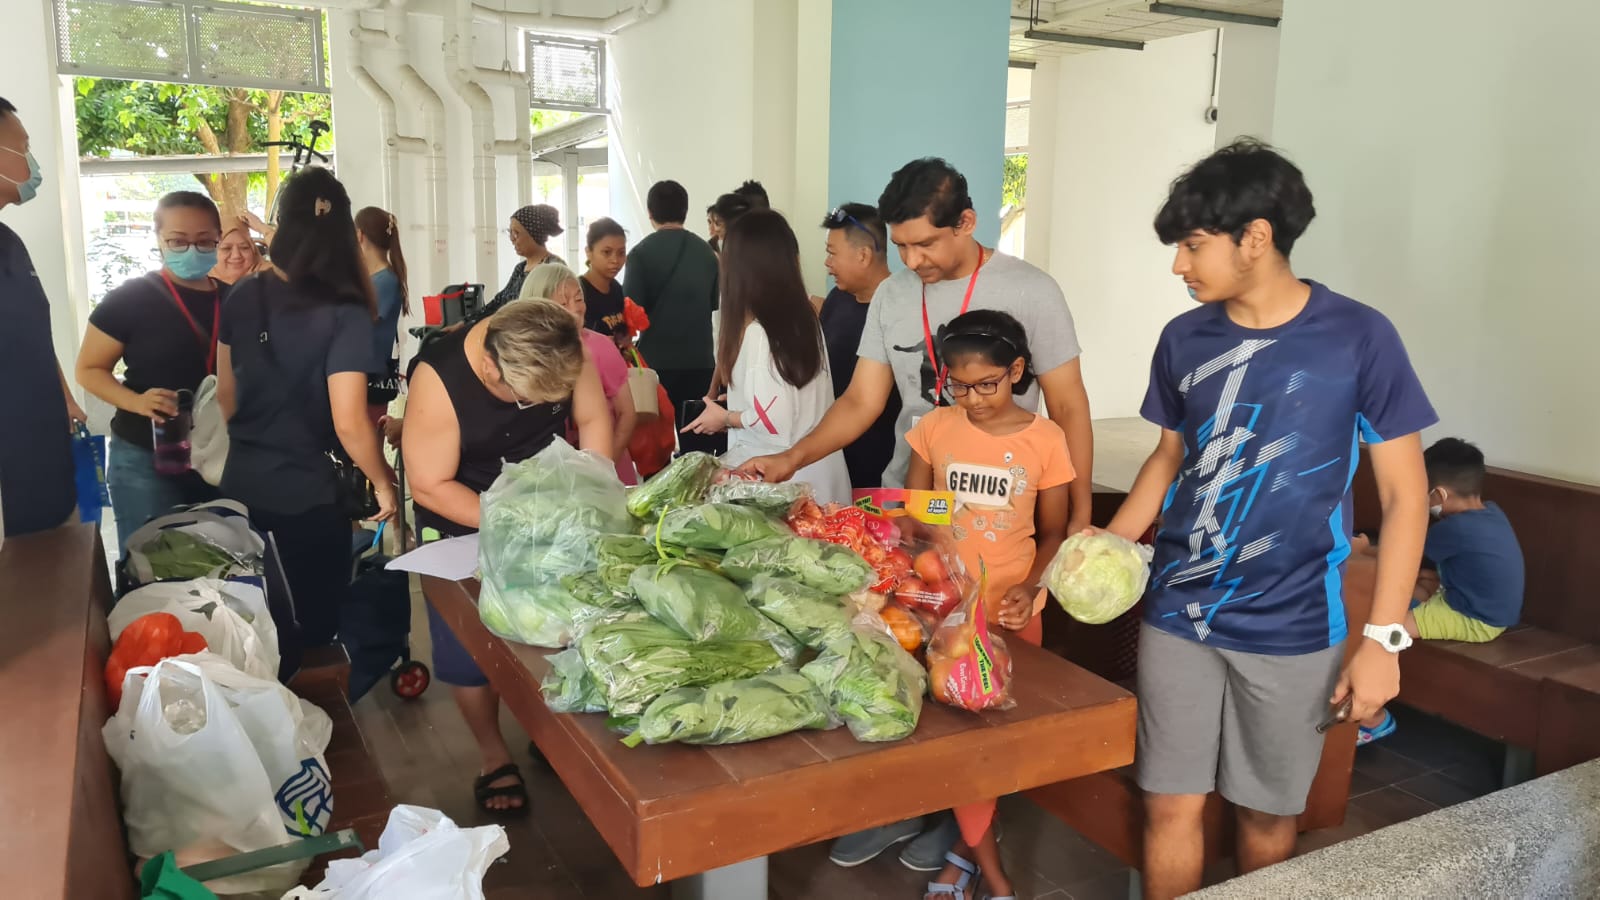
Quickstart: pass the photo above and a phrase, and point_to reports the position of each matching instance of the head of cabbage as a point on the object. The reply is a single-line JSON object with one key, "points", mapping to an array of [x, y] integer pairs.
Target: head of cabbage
{"points": [[1097, 577]]}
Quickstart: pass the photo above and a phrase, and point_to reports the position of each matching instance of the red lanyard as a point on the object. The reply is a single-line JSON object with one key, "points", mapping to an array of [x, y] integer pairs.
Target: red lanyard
{"points": [[216, 321], [927, 330]]}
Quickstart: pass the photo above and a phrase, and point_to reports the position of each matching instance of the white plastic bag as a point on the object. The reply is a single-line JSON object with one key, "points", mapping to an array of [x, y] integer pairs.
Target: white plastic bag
{"points": [[208, 438], [215, 762], [231, 615], [422, 855], [225, 524]]}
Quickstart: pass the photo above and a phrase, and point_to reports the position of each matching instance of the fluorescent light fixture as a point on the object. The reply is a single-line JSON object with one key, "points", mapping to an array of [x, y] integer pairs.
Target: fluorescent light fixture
{"points": [[1214, 15], [1082, 39]]}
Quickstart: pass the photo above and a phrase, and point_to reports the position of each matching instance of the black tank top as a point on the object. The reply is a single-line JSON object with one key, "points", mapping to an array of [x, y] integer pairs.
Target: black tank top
{"points": [[493, 432]]}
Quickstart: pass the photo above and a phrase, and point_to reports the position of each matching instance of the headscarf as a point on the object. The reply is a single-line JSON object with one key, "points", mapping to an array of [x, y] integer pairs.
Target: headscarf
{"points": [[540, 221]]}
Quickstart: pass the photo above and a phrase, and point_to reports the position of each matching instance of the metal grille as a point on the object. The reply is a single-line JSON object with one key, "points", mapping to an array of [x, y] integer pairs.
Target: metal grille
{"points": [[567, 73], [191, 42]]}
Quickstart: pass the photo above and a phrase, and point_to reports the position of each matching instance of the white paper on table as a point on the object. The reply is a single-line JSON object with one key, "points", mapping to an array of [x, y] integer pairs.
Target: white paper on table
{"points": [[455, 559]]}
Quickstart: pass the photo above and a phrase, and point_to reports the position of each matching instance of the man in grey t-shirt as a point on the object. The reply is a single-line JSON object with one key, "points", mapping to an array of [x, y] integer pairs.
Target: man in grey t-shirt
{"points": [[931, 220]]}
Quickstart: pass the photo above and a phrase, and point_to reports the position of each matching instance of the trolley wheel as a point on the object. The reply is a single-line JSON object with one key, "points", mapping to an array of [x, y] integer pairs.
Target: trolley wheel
{"points": [[410, 680]]}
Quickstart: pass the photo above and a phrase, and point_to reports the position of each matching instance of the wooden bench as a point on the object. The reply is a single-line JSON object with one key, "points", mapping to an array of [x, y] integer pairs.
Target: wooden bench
{"points": [[1107, 807], [708, 816], [1498, 689]]}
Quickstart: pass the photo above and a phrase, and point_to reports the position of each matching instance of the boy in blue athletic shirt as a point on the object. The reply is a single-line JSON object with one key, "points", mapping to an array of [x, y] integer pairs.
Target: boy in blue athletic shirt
{"points": [[1470, 587], [1263, 394]]}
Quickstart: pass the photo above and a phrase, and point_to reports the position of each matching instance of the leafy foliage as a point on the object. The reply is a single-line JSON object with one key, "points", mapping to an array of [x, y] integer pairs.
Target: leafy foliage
{"points": [[1014, 182]]}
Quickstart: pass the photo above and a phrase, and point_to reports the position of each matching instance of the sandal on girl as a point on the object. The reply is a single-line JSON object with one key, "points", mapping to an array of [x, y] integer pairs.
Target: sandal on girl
{"points": [[483, 793], [957, 891]]}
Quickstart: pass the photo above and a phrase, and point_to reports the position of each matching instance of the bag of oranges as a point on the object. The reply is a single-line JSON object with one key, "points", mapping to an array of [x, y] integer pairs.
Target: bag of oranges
{"points": [[969, 666]]}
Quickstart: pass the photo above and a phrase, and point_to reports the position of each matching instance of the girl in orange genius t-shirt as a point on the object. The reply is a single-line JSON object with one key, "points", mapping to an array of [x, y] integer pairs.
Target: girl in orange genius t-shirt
{"points": [[1009, 470]]}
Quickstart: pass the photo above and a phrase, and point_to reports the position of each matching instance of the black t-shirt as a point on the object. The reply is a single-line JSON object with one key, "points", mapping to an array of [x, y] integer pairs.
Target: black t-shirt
{"points": [[284, 345], [604, 313], [36, 481], [843, 317], [159, 348]]}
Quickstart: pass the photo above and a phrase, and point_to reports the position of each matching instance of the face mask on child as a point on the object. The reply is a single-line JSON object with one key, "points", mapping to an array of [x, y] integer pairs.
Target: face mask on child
{"points": [[27, 190]]}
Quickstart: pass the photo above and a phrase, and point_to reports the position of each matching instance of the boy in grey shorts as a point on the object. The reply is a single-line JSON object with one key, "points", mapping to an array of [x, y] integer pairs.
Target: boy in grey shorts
{"points": [[1261, 394]]}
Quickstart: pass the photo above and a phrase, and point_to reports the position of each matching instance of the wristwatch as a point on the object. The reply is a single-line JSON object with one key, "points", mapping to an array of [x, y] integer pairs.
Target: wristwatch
{"points": [[1392, 638]]}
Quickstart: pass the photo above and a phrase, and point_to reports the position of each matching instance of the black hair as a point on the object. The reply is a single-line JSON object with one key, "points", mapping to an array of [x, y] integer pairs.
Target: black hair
{"points": [[315, 245], [730, 207], [752, 191], [761, 280], [996, 336], [187, 200], [1223, 193], [925, 187], [871, 233], [602, 228], [1456, 465], [668, 203], [6, 109]]}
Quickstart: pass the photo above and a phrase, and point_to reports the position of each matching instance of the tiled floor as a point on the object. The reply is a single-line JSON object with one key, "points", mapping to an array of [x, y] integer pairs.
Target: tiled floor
{"points": [[428, 759]]}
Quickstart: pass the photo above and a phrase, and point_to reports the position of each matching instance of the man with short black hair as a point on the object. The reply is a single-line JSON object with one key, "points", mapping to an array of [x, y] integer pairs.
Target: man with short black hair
{"points": [[858, 261], [37, 491], [931, 220], [672, 275]]}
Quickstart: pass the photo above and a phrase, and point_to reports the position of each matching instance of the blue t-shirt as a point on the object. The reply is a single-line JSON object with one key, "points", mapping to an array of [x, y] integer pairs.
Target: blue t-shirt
{"points": [[384, 331], [1256, 528], [1480, 565]]}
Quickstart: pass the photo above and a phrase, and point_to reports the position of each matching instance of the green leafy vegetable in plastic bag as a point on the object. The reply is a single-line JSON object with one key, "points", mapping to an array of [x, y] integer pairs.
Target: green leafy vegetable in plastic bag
{"points": [[872, 684], [772, 499], [177, 554], [813, 617], [733, 712], [588, 588], [619, 555], [635, 662], [717, 526], [698, 602], [1098, 577], [682, 483], [568, 687], [827, 567]]}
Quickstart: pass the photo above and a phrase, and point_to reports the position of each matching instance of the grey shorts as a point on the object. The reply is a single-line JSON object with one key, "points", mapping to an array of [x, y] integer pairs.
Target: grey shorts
{"points": [[1243, 724]]}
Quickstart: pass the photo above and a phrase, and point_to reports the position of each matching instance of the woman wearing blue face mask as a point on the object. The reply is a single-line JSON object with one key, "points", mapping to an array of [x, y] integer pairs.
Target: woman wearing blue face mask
{"points": [[163, 327]]}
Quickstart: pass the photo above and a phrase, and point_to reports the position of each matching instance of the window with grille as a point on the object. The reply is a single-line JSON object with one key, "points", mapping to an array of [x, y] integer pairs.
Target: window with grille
{"points": [[567, 73], [192, 42]]}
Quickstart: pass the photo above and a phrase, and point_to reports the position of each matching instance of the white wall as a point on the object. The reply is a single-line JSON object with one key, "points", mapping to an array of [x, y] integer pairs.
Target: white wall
{"points": [[684, 115], [1248, 85], [52, 223], [1124, 125], [1454, 168]]}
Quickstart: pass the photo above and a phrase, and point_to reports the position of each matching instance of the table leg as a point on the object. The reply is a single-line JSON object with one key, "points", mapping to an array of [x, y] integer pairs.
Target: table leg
{"points": [[740, 881]]}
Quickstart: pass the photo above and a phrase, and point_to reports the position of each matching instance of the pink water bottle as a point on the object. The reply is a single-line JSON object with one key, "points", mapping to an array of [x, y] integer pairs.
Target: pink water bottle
{"points": [[170, 439]]}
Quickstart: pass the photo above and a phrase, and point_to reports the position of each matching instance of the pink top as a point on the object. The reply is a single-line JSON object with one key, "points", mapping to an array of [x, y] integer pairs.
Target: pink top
{"points": [[613, 378]]}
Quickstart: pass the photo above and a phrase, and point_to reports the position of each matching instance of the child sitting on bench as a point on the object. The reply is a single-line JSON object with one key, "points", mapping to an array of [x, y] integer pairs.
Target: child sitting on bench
{"points": [[1470, 587]]}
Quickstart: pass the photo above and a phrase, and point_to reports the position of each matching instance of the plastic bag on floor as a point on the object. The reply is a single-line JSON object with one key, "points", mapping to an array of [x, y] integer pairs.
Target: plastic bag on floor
{"points": [[422, 855], [231, 615], [210, 540], [215, 762]]}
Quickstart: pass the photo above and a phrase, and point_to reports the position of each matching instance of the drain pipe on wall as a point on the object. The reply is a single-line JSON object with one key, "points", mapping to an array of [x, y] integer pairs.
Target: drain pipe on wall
{"points": [[415, 86], [458, 67], [388, 122]]}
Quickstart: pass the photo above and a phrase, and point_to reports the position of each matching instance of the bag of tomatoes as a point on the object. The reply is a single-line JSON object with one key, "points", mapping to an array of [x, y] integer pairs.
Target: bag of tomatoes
{"points": [[969, 666]]}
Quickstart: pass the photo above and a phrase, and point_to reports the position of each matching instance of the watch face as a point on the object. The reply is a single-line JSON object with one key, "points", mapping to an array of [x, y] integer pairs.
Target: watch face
{"points": [[1395, 637]]}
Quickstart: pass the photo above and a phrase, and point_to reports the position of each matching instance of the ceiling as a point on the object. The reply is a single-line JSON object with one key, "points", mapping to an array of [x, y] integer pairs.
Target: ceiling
{"points": [[1128, 21]]}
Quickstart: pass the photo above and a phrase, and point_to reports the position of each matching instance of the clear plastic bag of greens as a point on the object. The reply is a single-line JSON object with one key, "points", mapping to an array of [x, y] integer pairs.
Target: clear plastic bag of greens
{"points": [[541, 518], [734, 712], [634, 662], [568, 687], [871, 683], [716, 526], [773, 499], [699, 603], [812, 616], [827, 567], [619, 555], [682, 483], [1097, 577]]}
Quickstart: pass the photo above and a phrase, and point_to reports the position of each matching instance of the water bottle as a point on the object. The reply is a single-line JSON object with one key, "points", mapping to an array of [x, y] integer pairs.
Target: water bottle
{"points": [[171, 438]]}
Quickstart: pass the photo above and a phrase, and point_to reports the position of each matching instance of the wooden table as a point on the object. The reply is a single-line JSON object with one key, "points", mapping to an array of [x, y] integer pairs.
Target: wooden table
{"points": [[63, 836], [706, 817]]}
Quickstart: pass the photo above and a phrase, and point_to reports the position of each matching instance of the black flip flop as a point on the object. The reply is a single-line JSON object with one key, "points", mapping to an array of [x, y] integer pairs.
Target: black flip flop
{"points": [[483, 793]]}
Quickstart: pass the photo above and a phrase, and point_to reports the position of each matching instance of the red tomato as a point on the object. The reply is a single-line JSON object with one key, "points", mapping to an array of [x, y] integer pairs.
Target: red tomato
{"points": [[930, 566]]}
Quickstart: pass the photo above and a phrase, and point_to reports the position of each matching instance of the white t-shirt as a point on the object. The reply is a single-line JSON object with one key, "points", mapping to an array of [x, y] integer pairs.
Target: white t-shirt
{"points": [[894, 334], [776, 415]]}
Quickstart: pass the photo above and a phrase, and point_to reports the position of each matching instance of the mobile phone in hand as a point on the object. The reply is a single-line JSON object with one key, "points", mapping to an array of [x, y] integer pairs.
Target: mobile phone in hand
{"points": [[1337, 715], [691, 410]]}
